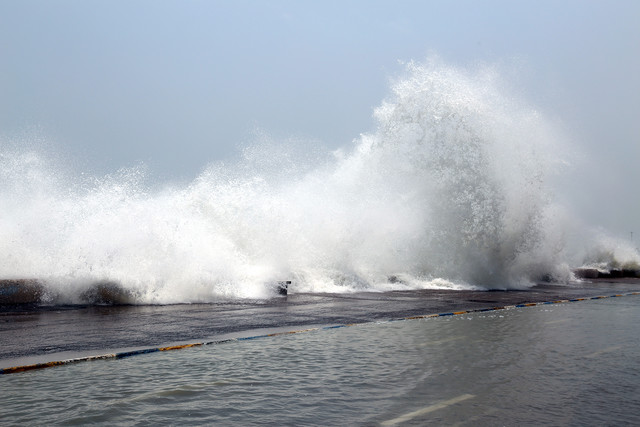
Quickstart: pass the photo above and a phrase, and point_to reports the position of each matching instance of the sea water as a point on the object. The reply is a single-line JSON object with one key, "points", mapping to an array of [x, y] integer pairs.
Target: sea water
{"points": [[561, 364], [453, 188]]}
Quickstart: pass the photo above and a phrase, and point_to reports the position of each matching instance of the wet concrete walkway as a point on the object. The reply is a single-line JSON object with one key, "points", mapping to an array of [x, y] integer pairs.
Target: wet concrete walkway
{"points": [[37, 334]]}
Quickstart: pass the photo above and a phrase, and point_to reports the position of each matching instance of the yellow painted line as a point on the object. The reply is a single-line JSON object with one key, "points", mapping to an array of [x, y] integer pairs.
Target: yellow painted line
{"points": [[426, 410], [179, 347], [460, 312], [35, 366]]}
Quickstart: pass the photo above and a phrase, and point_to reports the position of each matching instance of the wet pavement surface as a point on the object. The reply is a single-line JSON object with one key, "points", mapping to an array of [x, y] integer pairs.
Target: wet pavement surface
{"points": [[32, 334]]}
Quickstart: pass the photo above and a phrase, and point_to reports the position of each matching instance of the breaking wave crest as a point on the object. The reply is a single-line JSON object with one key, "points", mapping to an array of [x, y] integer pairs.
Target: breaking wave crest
{"points": [[450, 190]]}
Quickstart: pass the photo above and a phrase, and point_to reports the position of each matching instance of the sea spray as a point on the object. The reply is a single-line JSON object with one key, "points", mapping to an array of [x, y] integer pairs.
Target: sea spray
{"points": [[449, 190], [482, 161]]}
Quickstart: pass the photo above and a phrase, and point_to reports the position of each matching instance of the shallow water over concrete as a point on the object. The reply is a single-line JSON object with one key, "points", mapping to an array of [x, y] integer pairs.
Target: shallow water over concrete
{"points": [[560, 364]]}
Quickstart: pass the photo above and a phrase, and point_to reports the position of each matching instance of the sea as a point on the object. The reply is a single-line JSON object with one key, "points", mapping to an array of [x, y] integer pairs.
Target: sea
{"points": [[573, 363]]}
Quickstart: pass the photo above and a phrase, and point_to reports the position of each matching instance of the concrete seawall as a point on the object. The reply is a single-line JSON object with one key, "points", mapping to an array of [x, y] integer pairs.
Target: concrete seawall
{"points": [[34, 292], [594, 273], [21, 291]]}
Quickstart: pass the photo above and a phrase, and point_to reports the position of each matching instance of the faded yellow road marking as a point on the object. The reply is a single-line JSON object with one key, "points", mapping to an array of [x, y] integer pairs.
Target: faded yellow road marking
{"points": [[426, 410]]}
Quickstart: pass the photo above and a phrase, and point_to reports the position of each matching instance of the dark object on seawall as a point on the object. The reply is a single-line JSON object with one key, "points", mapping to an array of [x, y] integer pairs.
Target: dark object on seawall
{"points": [[283, 287]]}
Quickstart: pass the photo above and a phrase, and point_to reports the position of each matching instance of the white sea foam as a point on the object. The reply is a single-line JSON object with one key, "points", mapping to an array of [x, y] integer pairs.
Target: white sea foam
{"points": [[450, 190]]}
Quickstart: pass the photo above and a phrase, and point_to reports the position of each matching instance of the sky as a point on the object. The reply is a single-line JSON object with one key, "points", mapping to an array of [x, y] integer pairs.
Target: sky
{"points": [[179, 84]]}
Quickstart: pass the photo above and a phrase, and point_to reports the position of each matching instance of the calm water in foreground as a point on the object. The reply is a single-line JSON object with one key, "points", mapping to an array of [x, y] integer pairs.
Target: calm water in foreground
{"points": [[564, 364]]}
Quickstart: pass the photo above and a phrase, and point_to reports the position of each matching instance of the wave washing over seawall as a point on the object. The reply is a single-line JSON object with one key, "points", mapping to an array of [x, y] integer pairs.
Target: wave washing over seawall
{"points": [[450, 190]]}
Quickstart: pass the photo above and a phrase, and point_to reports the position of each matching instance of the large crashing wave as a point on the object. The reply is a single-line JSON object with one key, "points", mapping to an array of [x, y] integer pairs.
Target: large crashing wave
{"points": [[450, 190]]}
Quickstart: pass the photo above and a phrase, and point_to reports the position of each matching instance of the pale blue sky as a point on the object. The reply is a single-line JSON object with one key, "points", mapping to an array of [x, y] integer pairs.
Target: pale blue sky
{"points": [[177, 84]]}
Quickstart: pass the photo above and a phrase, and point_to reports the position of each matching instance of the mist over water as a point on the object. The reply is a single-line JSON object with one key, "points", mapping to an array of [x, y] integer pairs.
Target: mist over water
{"points": [[452, 189]]}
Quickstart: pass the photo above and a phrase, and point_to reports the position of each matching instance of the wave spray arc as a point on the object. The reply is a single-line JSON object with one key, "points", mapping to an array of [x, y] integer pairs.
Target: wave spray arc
{"points": [[449, 190]]}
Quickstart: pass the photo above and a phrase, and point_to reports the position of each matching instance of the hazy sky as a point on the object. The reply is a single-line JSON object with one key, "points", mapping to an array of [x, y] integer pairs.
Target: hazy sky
{"points": [[177, 84]]}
